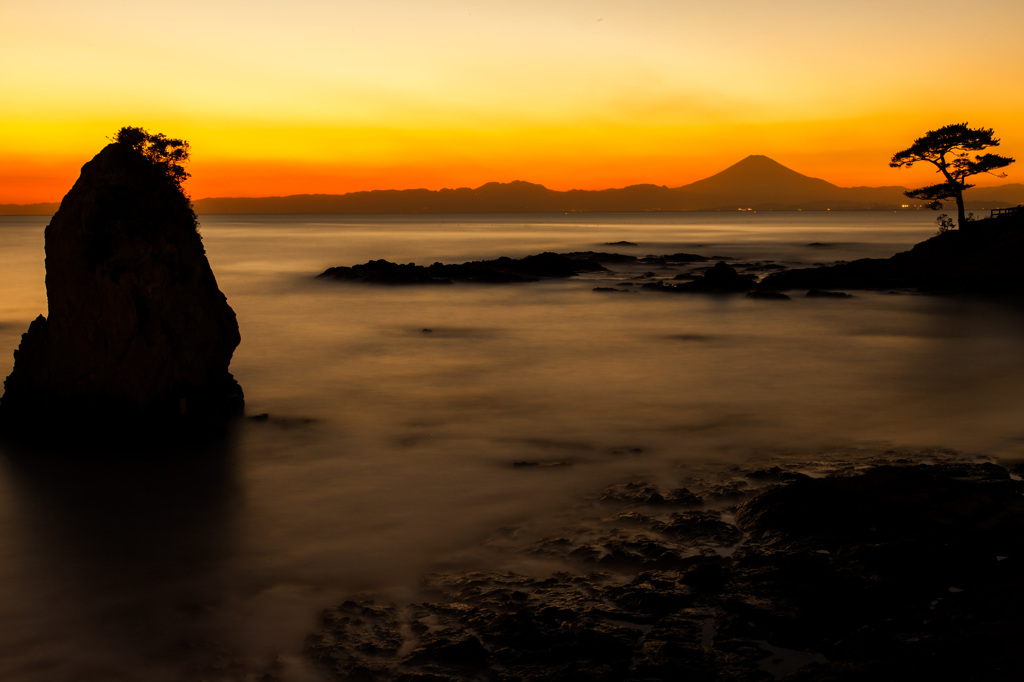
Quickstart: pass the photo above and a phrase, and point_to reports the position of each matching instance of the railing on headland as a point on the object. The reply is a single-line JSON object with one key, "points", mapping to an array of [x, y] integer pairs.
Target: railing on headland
{"points": [[1011, 212]]}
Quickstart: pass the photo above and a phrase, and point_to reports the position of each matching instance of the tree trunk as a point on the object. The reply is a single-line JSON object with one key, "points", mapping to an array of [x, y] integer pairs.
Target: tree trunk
{"points": [[961, 218]]}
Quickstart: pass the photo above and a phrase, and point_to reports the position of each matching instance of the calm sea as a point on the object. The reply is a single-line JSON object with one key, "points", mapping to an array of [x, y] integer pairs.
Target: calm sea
{"points": [[389, 450]]}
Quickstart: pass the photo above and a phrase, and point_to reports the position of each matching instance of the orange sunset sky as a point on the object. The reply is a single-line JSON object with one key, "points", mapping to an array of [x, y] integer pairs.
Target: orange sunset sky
{"points": [[332, 96]]}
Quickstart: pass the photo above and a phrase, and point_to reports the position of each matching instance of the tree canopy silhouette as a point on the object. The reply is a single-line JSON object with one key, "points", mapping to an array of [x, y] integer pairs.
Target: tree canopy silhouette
{"points": [[166, 154], [949, 150]]}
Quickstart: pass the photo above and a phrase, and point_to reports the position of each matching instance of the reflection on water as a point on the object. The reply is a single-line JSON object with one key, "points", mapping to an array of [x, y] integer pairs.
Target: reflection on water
{"points": [[106, 556], [389, 450]]}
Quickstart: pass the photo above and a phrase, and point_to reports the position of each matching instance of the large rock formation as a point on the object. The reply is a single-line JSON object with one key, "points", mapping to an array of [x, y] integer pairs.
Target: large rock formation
{"points": [[138, 332]]}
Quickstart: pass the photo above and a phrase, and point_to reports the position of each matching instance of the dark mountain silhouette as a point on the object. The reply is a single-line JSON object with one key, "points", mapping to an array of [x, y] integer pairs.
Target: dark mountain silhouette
{"points": [[44, 208], [761, 183], [1010, 194], [757, 182]]}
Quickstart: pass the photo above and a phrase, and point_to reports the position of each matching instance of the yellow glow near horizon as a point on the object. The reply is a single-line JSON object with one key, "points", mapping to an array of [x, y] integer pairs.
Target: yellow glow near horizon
{"points": [[328, 96]]}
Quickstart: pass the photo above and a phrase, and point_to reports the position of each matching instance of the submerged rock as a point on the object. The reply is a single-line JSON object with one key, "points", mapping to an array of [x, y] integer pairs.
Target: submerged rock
{"points": [[137, 331]]}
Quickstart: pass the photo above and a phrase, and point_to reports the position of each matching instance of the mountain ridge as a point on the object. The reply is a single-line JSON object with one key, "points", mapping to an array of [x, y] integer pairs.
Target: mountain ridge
{"points": [[757, 182]]}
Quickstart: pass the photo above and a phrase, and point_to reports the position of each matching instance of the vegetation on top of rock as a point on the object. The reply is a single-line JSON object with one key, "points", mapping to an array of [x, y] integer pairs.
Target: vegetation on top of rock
{"points": [[164, 153]]}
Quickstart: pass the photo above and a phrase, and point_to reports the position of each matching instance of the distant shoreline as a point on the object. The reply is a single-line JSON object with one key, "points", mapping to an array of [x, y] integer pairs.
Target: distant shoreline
{"points": [[19, 210], [756, 183]]}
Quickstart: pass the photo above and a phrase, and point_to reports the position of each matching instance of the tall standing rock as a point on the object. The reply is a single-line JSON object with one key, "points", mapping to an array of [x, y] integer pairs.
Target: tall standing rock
{"points": [[138, 333]]}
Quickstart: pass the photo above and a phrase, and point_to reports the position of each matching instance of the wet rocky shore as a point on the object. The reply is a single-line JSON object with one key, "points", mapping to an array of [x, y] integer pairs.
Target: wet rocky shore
{"points": [[880, 566], [982, 258], [851, 566]]}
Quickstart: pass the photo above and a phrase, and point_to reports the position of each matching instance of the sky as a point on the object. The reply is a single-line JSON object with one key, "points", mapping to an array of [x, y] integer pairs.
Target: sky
{"points": [[333, 96]]}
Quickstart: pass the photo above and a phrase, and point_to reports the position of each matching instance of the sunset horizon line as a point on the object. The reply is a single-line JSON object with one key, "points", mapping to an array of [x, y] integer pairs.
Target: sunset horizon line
{"points": [[517, 180]]}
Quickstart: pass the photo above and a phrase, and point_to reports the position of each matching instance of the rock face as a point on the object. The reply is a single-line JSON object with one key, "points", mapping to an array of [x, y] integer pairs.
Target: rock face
{"points": [[138, 331]]}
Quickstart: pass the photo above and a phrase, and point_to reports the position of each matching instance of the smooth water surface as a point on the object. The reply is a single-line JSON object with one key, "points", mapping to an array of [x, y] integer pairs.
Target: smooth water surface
{"points": [[389, 450]]}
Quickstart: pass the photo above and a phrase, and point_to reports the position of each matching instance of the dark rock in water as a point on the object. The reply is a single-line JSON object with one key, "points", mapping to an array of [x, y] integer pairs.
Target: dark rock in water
{"points": [[821, 293], [768, 295], [550, 464], [984, 257], [701, 525], [385, 272], [675, 258], [773, 473], [502, 270], [898, 569], [602, 257], [641, 492], [138, 332], [760, 266], [891, 503], [719, 279]]}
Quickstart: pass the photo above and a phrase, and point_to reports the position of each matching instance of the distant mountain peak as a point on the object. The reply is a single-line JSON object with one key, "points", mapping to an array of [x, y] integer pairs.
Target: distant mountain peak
{"points": [[514, 185], [759, 180], [760, 163]]}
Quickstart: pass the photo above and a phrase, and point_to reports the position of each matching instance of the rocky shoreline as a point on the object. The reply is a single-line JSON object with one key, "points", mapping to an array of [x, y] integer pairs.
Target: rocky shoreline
{"points": [[887, 567], [884, 565], [982, 259], [502, 270]]}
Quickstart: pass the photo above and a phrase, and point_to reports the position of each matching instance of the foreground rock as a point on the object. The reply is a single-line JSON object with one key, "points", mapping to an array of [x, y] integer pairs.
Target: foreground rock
{"points": [[719, 279], [900, 572], [985, 257], [502, 270], [138, 332]]}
